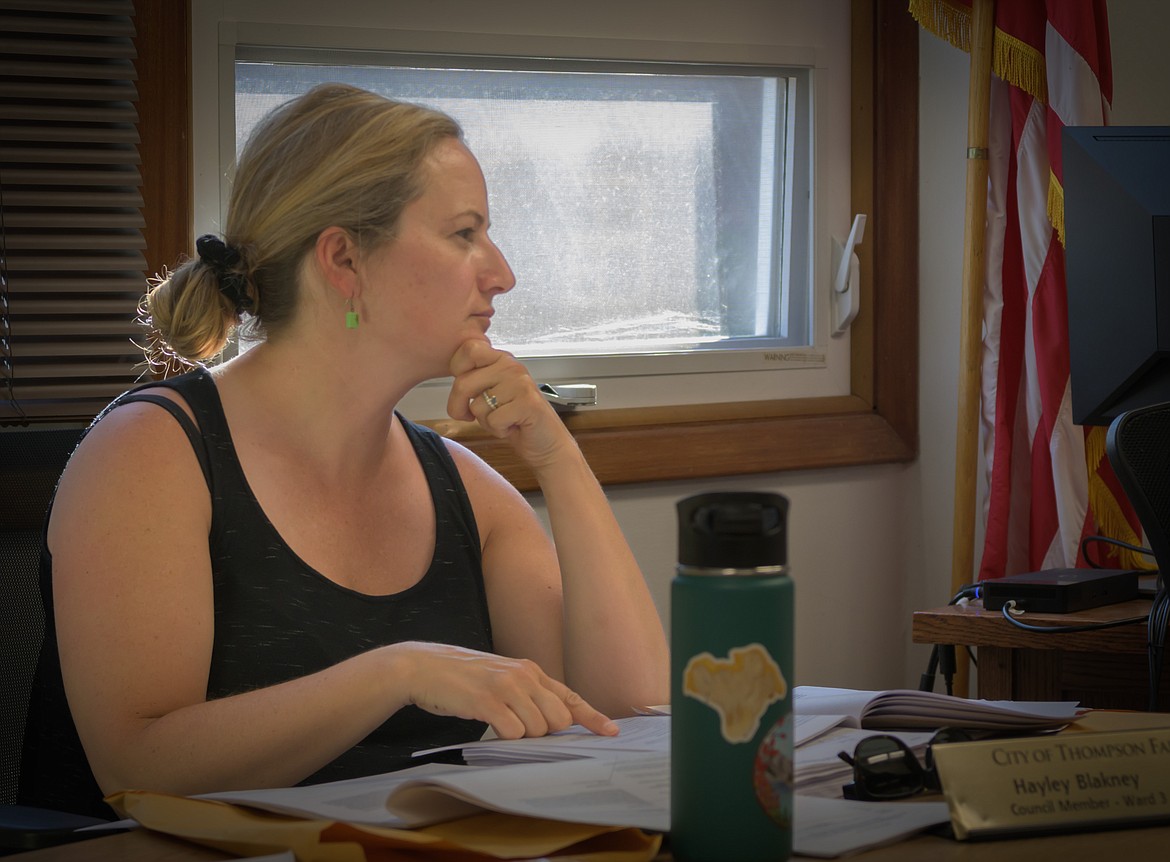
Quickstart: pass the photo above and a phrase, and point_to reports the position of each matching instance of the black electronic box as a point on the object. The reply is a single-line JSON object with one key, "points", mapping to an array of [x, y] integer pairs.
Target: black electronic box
{"points": [[1061, 591]]}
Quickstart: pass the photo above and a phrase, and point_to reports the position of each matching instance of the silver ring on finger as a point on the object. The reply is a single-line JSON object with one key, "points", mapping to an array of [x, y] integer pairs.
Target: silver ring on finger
{"points": [[490, 400]]}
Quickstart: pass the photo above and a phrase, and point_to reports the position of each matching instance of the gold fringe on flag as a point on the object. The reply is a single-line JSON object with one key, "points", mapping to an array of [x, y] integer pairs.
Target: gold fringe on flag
{"points": [[1111, 521], [1020, 65], [948, 21], [1095, 448], [1012, 60], [1056, 205]]}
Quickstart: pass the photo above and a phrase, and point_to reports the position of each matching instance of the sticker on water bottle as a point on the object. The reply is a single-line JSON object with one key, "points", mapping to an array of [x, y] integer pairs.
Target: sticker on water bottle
{"points": [[772, 775], [740, 688]]}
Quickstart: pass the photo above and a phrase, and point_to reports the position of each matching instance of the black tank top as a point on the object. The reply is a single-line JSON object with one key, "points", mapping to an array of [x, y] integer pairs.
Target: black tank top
{"points": [[277, 619]]}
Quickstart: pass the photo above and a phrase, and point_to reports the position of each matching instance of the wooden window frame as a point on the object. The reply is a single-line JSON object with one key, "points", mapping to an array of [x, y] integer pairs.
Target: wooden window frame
{"points": [[164, 130], [876, 423]]}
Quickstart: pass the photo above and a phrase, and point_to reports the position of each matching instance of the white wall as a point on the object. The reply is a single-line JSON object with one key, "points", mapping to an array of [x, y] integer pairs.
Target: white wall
{"points": [[942, 146], [869, 545], [1140, 33], [847, 554]]}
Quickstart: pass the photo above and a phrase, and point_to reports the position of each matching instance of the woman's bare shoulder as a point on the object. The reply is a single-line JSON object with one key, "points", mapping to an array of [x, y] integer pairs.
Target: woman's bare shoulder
{"points": [[479, 477], [138, 430], [136, 459]]}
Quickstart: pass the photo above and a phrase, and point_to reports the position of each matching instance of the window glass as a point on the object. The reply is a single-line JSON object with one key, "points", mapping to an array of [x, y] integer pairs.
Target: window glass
{"points": [[646, 209]]}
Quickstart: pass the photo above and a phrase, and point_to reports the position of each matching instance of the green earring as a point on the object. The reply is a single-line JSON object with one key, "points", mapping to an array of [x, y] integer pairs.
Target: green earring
{"points": [[351, 316]]}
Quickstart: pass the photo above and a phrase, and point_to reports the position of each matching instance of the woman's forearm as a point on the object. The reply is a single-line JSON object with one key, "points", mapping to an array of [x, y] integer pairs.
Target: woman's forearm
{"points": [[615, 650], [270, 737], [277, 736]]}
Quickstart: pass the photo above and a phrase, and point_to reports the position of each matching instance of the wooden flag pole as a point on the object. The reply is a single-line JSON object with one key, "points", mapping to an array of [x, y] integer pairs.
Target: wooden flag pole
{"points": [[970, 343]]}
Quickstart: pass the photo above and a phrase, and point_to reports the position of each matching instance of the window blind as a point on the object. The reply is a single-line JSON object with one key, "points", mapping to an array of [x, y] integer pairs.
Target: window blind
{"points": [[71, 241]]}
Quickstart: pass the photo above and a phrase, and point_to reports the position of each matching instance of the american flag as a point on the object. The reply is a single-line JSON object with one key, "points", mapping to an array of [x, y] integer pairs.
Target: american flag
{"points": [[1048, 481]]}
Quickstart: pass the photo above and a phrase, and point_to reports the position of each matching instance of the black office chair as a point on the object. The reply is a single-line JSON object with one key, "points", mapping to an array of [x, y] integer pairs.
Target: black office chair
{"points": [[31, 462], [1138, 445]]}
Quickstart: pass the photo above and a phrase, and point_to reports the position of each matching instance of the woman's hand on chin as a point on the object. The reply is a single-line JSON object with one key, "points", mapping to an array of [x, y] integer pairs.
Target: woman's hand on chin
{"points": [[492, 387]]}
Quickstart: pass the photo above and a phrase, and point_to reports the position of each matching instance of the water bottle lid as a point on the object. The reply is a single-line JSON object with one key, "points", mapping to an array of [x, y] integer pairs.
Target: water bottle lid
{"points": [[733, 530]]}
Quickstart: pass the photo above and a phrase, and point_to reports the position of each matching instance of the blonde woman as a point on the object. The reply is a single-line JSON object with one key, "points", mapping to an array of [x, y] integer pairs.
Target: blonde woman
{"points": [[261, 574]]}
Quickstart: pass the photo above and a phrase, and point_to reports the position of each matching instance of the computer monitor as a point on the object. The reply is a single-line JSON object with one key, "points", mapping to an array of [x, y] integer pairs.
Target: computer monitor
{"points": [[1117, 259]]}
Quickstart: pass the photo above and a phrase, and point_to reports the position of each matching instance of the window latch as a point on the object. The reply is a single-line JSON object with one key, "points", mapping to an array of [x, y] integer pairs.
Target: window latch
{"points": [[846, 296], [569, 396]]}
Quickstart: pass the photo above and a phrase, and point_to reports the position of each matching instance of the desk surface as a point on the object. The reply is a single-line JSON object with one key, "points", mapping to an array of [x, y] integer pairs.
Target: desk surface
{"points": [[1134, 844], [1129, 844]]}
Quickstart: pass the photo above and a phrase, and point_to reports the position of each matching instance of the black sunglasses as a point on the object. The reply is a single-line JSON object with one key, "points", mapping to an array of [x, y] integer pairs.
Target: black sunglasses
{"points": [[884, 767]]}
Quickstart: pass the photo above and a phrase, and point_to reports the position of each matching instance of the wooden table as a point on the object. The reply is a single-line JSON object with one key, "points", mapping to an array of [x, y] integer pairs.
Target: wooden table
{"points": [[1132, 844], [1105, 669]]}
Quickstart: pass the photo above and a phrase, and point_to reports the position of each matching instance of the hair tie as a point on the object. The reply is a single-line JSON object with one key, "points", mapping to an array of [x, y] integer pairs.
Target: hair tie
{"points": [[222, 258]]}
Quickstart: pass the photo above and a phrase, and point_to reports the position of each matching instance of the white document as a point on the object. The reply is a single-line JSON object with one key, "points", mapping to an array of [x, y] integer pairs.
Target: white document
{"points": [[827, 828], [634, 790], [817, 711], [353, 800], [647, 733], [806, 728], [907, 708], [610, 789], [576, 776]]}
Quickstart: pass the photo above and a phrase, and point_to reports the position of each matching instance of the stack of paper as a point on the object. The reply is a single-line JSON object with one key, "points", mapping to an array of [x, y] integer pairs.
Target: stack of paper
{"points": [[575, 776], [641, 733], [615, 789], [909, 709]]}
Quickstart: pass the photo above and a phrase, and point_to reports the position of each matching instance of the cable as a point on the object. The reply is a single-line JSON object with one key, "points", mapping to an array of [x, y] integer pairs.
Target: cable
{"points": [[926, 681], [1157, 621], [1009, 608], [942, 656], [947, 666], [1105, 540], [1156, 636]]}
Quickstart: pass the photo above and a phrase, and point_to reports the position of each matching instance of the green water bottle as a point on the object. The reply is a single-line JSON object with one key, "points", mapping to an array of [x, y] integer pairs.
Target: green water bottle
{"points": [[731, 670]]}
